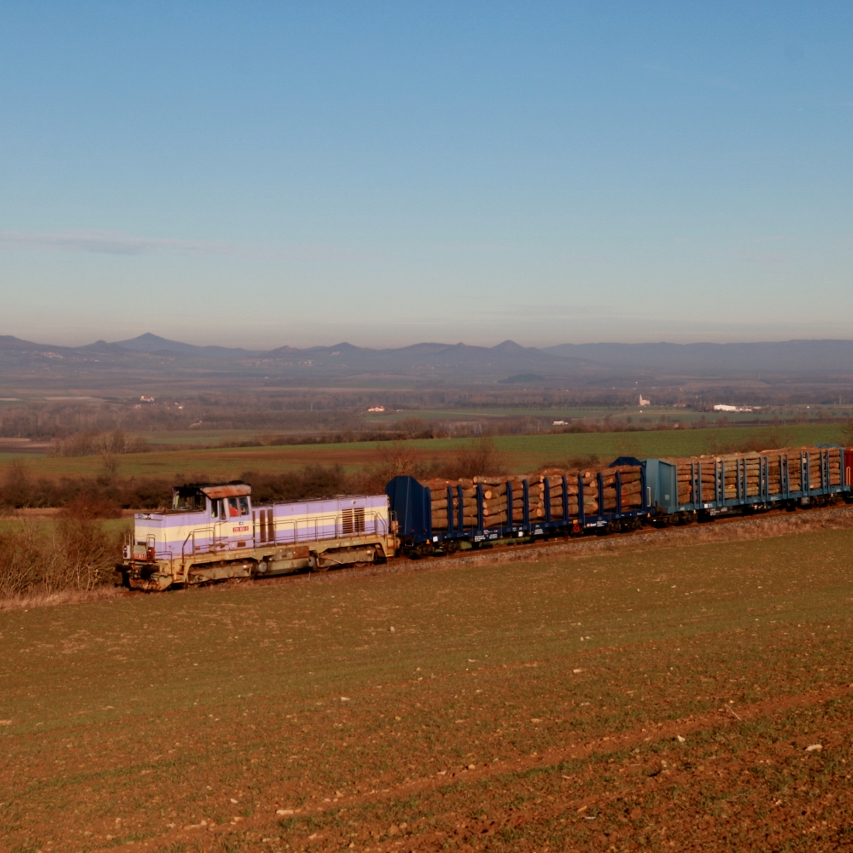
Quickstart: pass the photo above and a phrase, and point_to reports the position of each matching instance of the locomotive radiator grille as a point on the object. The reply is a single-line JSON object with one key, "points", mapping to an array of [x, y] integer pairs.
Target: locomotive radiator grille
{"points": [[352, 521]]}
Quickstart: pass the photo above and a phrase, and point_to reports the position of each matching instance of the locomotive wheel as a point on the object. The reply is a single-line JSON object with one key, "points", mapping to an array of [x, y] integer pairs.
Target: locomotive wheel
{"points": [[314, 564]]}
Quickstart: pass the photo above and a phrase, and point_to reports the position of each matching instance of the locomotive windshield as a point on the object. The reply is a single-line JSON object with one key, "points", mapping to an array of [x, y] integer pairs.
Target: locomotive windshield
{"points": [[230, 507], [188, 500]]}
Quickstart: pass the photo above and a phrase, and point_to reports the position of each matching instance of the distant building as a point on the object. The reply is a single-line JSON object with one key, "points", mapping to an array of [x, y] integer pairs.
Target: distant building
{"points": [[560, 423], [722, 407], [376, 409], [644, 402]]}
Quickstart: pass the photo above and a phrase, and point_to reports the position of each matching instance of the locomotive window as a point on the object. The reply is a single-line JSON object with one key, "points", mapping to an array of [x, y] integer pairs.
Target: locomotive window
{"points": [[188, 501], [237, 506]]}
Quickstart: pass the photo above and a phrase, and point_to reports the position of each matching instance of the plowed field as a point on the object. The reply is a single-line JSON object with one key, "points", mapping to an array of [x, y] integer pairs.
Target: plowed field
{"points": [[674, 696]]}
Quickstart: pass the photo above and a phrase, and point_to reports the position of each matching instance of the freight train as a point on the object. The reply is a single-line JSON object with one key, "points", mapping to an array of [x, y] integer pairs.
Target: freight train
{"points": [[214, 532]]}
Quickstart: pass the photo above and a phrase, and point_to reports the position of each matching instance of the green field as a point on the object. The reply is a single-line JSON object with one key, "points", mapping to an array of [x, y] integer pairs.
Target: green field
{"points": [[644, 418], [650, 699], [520, 454]]}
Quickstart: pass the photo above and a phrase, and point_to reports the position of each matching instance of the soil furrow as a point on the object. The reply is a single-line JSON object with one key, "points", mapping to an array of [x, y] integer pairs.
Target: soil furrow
{"points": [[668, 730]]}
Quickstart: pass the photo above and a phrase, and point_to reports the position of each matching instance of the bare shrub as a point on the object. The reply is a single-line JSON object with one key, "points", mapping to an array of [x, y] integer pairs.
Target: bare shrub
{"points": [[82, 555], [397, 458], [393, 459], [110, 470], [93, 443], [91, 505], [477, 459], [18, 486], [720, 443], [149, 493], [413, 427], [313, 481], [22, 559], [74, 554], [400, 458], [764, 440], [570, 463]]}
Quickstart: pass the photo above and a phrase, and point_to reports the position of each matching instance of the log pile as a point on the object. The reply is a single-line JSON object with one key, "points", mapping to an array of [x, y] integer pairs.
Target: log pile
{"points": [[598, 486], [545, 493], [631, 488], [796, 466], [751, 467]]}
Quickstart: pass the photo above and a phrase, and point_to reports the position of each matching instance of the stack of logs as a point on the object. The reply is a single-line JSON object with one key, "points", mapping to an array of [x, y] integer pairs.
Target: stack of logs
{"points": [[750, 464], [495, 496]]}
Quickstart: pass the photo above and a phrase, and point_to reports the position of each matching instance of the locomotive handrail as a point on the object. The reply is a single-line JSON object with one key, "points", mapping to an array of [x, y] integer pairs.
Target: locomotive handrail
{"points": [[322, 527], [301, 530], [192, 536]]}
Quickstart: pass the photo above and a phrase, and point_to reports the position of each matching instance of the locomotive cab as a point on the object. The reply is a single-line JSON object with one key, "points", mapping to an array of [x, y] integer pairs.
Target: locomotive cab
{"points": [[219, 502], [201, 516]]}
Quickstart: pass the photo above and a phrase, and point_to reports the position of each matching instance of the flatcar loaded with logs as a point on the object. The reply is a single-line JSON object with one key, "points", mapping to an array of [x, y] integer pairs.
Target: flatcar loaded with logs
{"points": [[489, 509], [213, 532]]}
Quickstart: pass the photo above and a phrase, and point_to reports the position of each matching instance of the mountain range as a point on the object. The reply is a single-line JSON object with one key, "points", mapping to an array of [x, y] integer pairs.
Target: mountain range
{"points": [[158, 358]]}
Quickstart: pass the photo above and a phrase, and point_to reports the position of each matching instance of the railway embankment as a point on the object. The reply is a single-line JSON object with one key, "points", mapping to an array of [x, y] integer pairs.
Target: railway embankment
{"points": [[736, 529]]}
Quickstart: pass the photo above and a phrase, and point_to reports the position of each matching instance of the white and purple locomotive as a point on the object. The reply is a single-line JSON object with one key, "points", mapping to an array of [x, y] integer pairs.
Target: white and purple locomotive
{"points": [[213, 532]]}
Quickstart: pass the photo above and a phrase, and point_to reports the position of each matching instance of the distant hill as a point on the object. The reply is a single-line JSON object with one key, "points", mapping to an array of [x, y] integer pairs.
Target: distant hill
{"points": [[155, 345], [150, 358], [819, 356]]}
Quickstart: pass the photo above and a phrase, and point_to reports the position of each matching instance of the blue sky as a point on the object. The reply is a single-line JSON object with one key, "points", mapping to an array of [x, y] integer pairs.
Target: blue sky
{"points": [[263, 174]]}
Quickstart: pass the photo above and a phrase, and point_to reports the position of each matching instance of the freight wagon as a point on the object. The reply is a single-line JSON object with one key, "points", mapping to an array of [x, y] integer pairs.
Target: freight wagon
{"points": [[704, 487], [485, 510], [631, 492]]}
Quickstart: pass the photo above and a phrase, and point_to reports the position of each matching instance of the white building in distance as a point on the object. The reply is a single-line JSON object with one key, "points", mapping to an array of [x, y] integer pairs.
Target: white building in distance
{"points": [[722, 407]]}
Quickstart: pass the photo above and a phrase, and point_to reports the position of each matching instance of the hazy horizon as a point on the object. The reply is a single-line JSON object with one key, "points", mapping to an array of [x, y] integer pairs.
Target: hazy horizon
{"points": [[203, 342], [382, 174]]}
